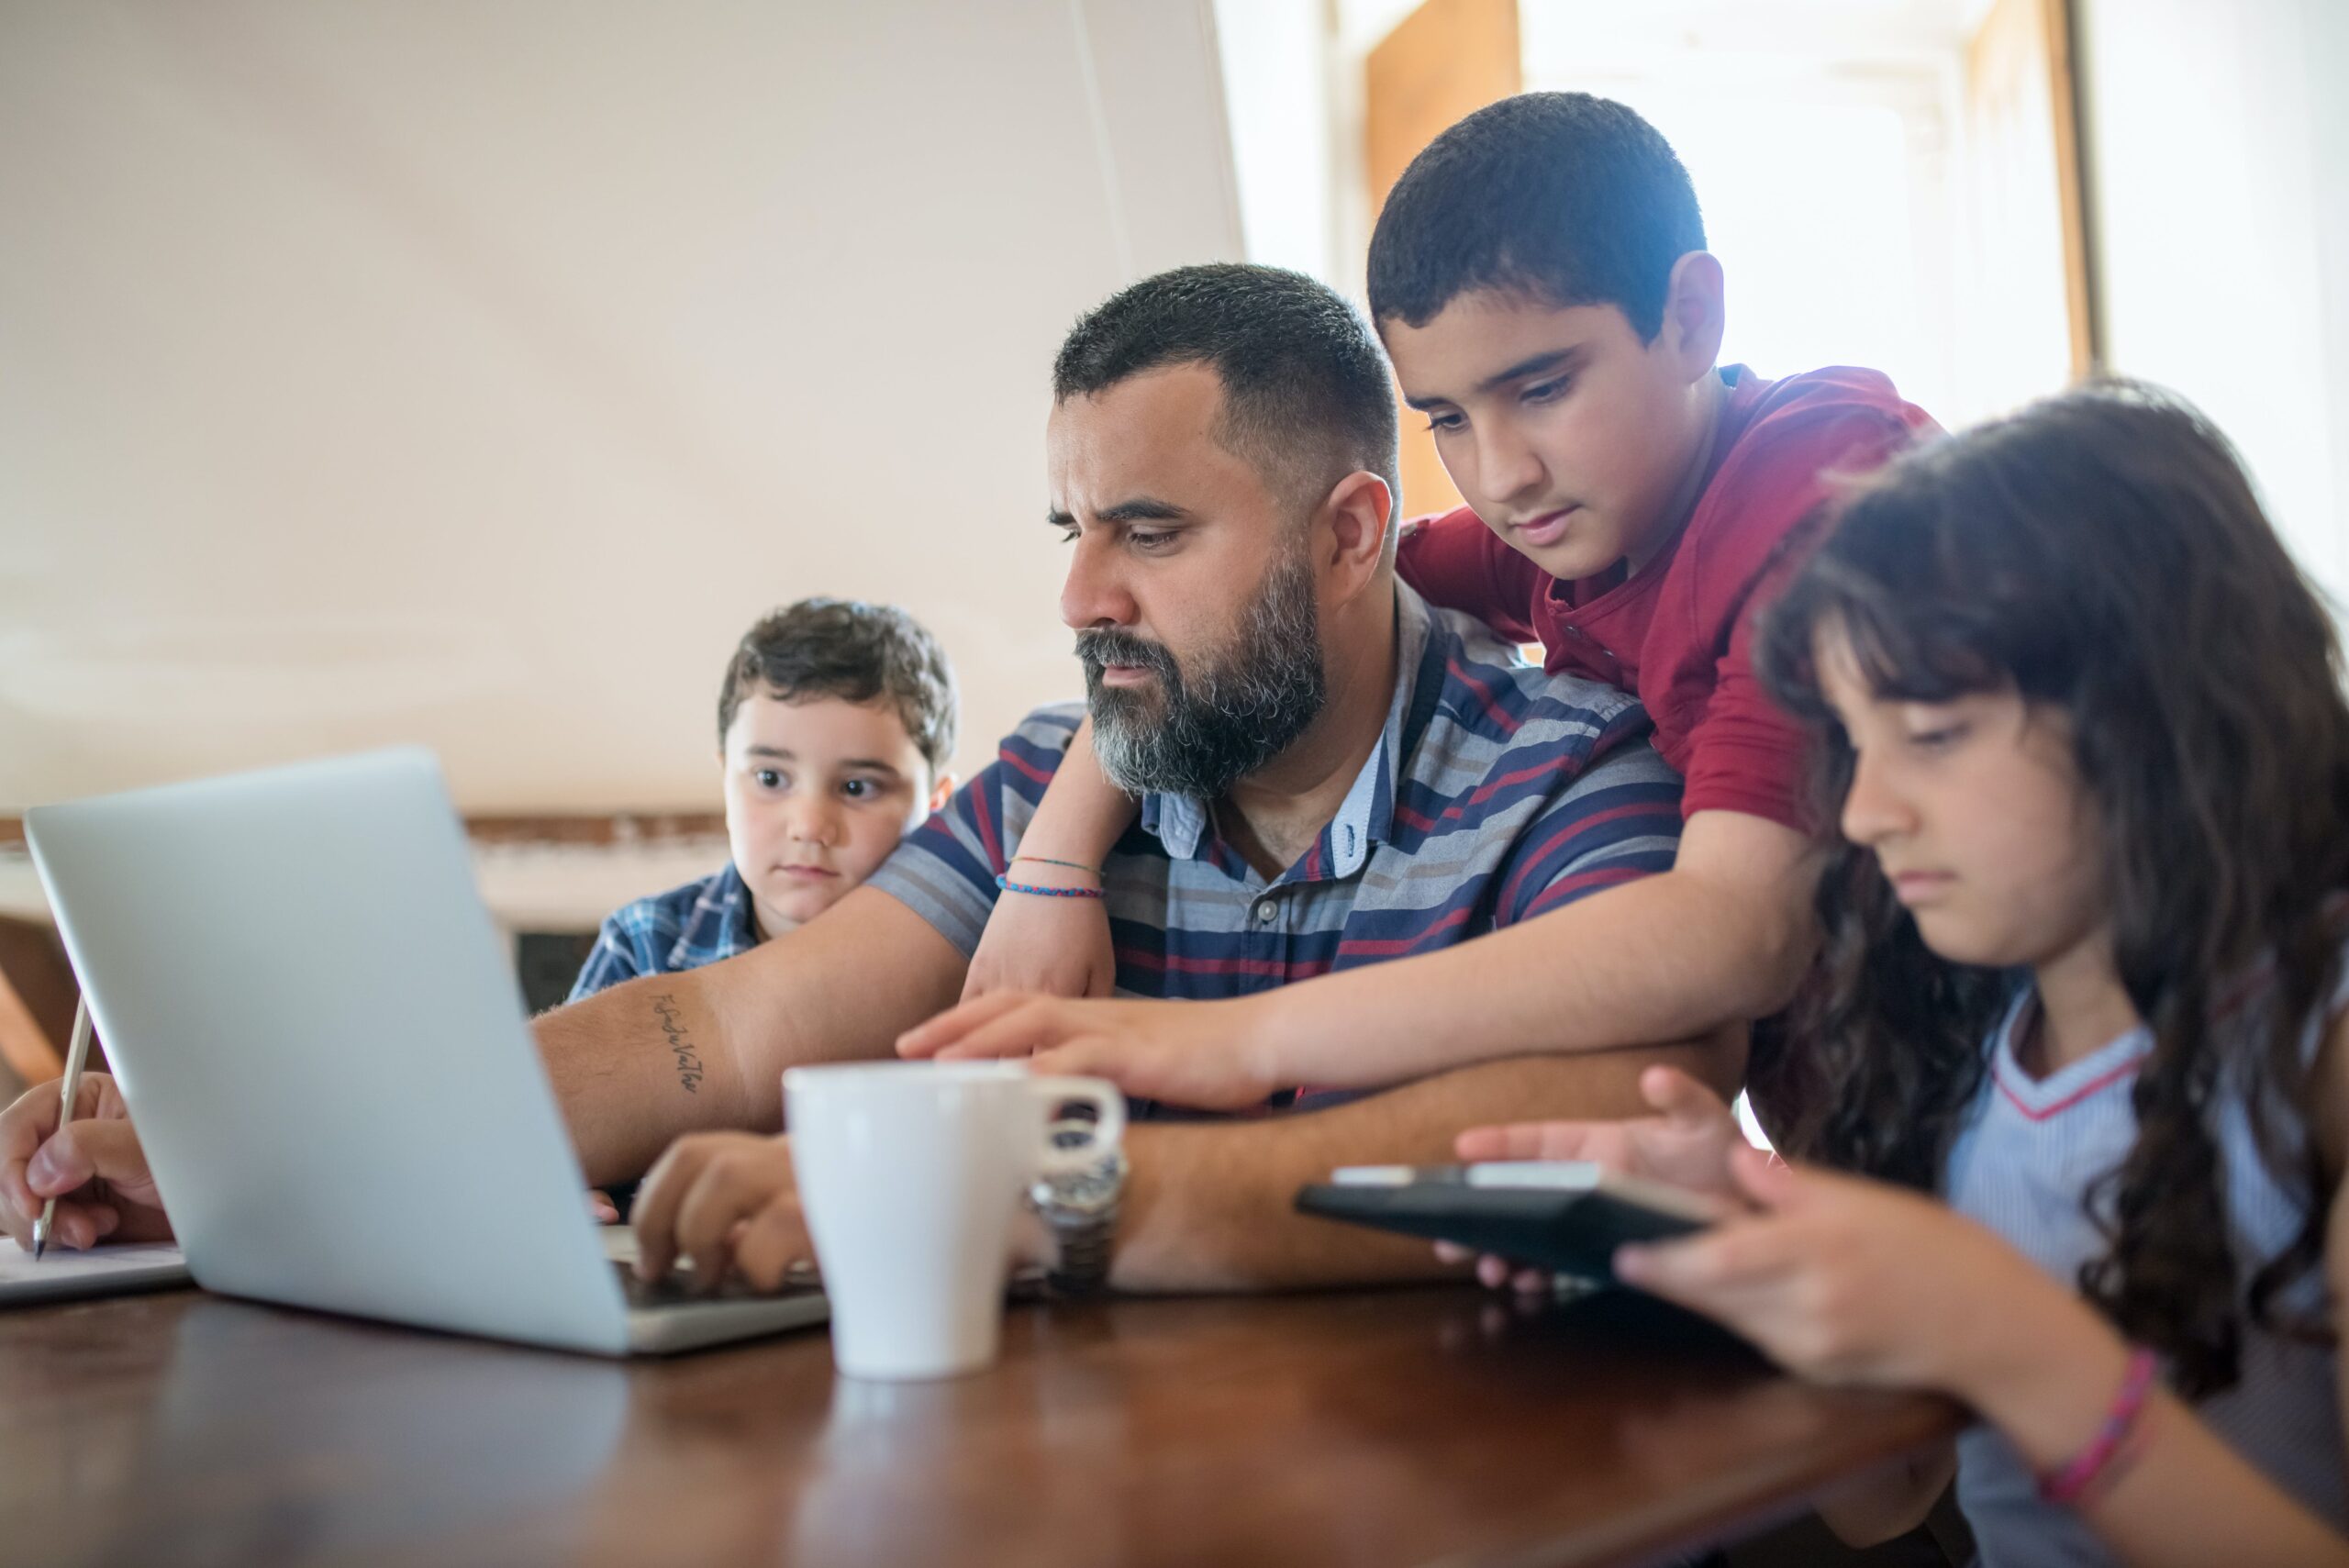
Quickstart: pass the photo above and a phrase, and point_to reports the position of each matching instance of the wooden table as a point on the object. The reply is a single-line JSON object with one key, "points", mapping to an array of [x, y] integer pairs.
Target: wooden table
{"points": [[1375, 1427]]}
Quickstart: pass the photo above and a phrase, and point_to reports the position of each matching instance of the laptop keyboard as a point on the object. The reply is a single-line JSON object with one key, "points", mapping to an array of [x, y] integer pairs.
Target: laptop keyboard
{"points": [[676, 1288]]}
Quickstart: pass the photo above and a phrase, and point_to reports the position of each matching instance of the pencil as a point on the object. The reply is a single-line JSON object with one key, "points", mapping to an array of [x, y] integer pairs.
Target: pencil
{"points": [[68, 1086]]}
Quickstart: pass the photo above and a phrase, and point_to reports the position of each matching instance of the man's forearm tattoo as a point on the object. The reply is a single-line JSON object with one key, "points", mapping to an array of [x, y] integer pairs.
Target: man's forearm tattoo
{"points": [[672, 1028]]}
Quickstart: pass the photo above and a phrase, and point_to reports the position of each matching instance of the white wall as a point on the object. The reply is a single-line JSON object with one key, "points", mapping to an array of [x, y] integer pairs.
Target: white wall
{"points": [[2219, 143], [1275, 59], [1825, 140], [473, 375]]}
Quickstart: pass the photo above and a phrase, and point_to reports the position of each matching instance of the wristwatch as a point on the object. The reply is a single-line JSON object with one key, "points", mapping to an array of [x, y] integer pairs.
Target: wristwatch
{"points": [[1081, 1209]]}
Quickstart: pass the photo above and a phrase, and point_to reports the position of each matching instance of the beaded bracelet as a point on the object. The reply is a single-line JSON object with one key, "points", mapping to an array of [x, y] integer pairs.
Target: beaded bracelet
{"points": [[1038, 891], [2065, 1485], [1048, 861]]}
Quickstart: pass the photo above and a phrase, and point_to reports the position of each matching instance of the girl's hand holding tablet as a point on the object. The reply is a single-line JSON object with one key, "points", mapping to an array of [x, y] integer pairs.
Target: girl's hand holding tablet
{"points": [[1688, 1144], [1851, 1281]]}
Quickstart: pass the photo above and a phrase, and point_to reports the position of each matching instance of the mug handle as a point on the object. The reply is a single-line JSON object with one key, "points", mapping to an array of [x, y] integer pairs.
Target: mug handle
{"points": [[1108, 1103]]}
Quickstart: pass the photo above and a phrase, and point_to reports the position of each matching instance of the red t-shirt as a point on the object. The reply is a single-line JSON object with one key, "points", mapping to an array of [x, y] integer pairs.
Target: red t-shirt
{"points": [[1681, 632]]}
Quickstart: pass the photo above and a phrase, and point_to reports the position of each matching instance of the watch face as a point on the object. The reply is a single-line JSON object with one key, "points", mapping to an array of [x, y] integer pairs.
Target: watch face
{"points": [[1089, 1189], [1082, 1192]]}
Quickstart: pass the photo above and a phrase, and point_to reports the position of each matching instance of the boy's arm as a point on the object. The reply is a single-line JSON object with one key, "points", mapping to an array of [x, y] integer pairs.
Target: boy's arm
{"points": [[1060, 946], [637, 1066], [1676, 955], [1083, 815], [1724, 935], [1649, 950]]}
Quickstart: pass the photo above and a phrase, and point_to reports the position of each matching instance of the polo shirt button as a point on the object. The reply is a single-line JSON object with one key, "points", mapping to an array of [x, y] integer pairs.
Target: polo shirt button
{"points": [[1265, 911]]}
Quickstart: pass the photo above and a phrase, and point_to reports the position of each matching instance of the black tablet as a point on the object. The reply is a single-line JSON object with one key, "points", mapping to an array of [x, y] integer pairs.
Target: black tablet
{"points": [[1564, 1214]]}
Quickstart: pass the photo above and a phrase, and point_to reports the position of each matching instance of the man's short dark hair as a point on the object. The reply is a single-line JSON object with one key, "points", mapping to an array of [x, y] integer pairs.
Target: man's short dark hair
{"points": [[855, 653], [1566, 198], [1306, 396]]}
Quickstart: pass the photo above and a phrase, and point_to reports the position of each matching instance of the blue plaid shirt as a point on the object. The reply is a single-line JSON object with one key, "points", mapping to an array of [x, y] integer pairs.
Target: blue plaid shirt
{"points": [[685, 927]]}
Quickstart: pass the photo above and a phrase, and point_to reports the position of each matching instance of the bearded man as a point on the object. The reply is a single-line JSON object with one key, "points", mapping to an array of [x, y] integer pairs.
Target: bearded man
{"points": [[1330, 774]]}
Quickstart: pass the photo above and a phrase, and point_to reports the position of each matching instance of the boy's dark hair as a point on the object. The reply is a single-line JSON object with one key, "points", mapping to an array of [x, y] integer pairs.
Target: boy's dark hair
{"points": [[1570, 199], [1306, 396], [2103, 556], [853, 652]]}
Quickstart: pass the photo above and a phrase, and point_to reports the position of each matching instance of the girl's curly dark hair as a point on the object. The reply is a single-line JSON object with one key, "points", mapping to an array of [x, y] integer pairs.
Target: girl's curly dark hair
{"points": [[2101, 553]]}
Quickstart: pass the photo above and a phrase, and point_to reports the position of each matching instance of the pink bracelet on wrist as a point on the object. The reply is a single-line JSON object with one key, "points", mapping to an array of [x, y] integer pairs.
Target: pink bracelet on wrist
{"points": [[2065, 1485]]}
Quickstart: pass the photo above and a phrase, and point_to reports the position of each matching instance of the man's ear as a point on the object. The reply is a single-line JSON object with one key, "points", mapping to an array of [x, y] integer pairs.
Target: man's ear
{"points": [[1694, 314], [1356, 510], [941, 792]]}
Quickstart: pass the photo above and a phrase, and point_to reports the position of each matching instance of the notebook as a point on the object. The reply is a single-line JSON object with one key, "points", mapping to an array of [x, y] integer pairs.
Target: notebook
{"points": [[64, 1275]]}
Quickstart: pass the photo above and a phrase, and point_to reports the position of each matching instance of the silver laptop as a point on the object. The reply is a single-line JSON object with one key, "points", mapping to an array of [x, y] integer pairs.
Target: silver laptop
{"points": [[313, 1021]]}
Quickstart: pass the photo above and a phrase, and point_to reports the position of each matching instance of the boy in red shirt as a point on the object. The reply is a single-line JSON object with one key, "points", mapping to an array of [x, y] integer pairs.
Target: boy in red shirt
{"points": [[1538, 276]]}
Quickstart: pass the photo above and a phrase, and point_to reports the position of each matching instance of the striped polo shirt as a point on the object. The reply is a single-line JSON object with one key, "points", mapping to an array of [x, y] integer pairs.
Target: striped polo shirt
{"points": [[1494, 793]]}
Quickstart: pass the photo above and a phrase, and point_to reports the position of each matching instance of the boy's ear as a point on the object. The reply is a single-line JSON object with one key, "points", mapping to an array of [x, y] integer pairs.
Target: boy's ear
{"points": [[1695, 313], [941, 792], [1357, 509]]}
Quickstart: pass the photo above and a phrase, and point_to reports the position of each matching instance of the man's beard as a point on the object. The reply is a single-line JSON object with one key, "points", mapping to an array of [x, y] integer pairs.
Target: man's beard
{"points": [[1248, 703]]}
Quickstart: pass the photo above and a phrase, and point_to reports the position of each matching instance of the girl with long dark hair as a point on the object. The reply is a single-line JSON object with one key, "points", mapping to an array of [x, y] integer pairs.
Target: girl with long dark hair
{"points": [[2078, 1055]]}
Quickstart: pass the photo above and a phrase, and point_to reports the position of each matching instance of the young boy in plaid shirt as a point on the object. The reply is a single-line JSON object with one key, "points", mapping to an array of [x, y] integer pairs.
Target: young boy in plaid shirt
{"points": [[834, 728]]}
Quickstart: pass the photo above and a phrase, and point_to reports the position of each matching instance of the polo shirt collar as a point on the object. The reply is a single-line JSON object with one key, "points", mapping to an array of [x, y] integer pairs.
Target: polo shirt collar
{"points": [[1366, 816]]}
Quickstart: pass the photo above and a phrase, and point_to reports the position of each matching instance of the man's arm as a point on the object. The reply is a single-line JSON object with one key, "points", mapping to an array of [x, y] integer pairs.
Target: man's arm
{"points": [[637, 1066], [1208, 1206]]}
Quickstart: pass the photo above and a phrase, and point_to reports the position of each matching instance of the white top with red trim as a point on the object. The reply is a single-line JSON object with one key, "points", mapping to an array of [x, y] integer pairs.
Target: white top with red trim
{"points": [[2024, 1166]]}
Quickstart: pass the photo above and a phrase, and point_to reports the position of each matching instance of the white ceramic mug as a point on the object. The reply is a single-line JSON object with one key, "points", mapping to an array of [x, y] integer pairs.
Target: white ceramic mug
{"points": [[911, 1174]]}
